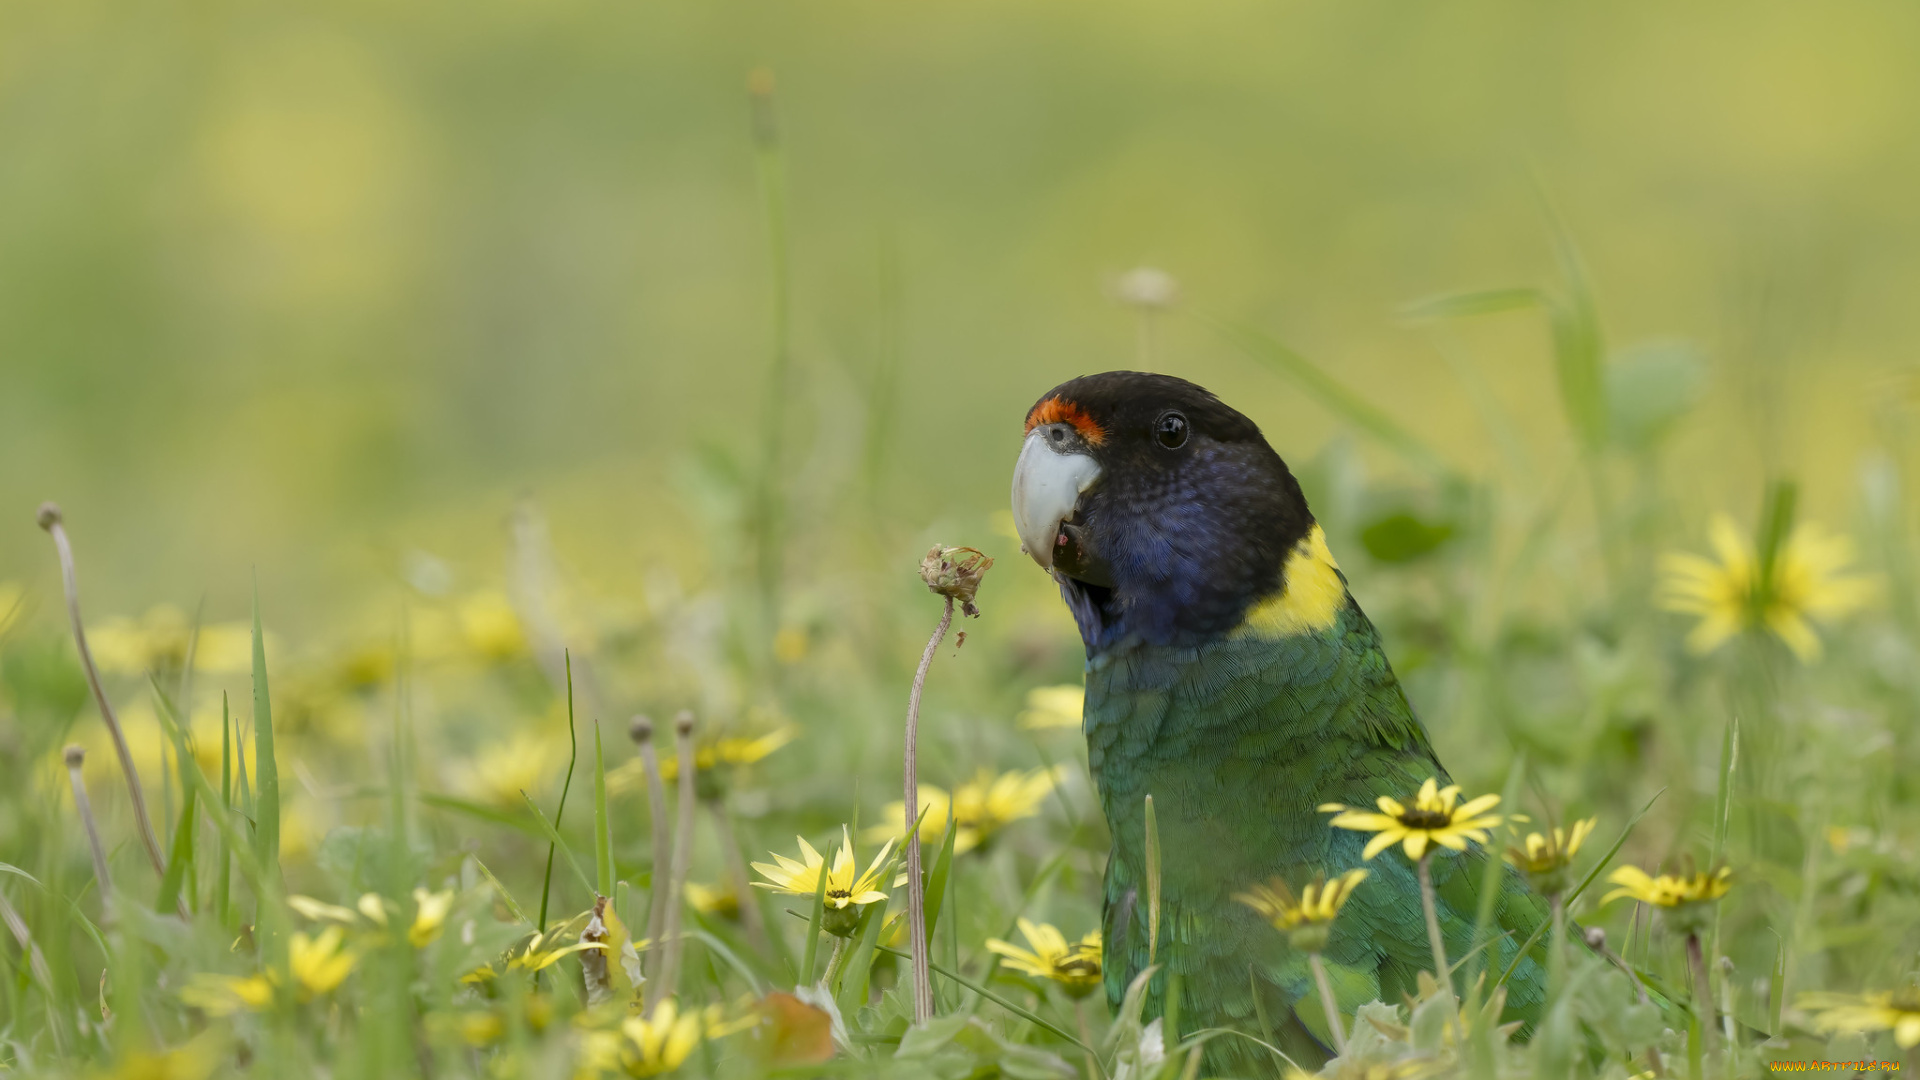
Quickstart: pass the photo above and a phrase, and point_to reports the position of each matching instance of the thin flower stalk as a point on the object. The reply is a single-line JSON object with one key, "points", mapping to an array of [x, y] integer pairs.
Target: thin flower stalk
{"points": [[75, 756], [51, 520], [641, 730], [675, 903], [916, 886]]}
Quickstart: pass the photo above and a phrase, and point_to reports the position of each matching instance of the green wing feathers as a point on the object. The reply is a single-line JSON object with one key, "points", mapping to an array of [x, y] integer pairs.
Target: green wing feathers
{"points": [[1239, 742]]}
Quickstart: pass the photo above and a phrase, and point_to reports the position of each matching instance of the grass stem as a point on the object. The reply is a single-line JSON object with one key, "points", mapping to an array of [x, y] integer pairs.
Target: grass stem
{"points": [[1328, 1002]]}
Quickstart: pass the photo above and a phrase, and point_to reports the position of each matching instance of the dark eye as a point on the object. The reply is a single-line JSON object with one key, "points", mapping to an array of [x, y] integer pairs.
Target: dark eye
{"points": [[1057, 434], [1171, 430]]}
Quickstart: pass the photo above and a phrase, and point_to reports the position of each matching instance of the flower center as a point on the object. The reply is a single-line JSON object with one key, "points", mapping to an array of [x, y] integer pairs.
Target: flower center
{"points": [[1079, 965], [1416, 818]]}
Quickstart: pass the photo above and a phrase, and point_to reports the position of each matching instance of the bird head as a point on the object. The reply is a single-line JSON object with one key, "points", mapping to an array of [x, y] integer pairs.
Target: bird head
{"points": [[1160, 510]]}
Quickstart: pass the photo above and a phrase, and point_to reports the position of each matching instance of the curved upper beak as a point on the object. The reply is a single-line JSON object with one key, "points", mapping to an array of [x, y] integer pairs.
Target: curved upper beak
{"points": [[1047, 485]]}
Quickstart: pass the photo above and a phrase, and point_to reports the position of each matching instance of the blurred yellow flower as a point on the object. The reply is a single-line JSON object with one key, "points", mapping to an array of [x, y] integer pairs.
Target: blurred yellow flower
{"points": [[1668, 890], [537, 953], [1545, 858], [490, 627], [500, 771], [13, 601], [430, 914], [224, 995], [718, 900], [790, 645], [732, 750], [1313, 910], [1075, 967], [1729, 596], [321, 911], [1896, 1012], [194, 1061], [981, 807], [1053, 707], [645, 1045], [319, 964], [1431, 818], [157, 641]]}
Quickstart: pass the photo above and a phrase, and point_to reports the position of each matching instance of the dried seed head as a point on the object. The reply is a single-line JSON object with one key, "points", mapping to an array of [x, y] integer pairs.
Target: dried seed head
{"points": [[1147, 287], [1596, 938], [955, 573], [641, 729], [48, 515], [683, 723], [75, 755]]}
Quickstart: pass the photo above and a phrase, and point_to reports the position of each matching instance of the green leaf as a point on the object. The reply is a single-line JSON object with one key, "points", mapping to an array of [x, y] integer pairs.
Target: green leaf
{"points": [[1403, 536]]}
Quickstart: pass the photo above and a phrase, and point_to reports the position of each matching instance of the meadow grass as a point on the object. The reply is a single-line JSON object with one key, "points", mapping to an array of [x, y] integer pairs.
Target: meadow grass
{"points": [[355, 895]]}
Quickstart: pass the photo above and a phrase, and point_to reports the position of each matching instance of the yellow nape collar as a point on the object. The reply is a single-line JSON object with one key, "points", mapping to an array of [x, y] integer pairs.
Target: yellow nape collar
{"points": [[1310, 597]]}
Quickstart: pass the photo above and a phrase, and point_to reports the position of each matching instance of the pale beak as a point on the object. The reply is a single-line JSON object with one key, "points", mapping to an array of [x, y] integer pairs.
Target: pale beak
{"points": [[1047, 484]]}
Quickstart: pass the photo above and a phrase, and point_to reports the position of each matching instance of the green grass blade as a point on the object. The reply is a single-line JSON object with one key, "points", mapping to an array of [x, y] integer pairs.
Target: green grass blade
{"points": [[1335, 396], [1469, 304], [505, 896], [1490, 878], [937, 878], [481, 812], [223, 880], [573, 756], [181, 856], [1581, 888], [602, 837], [554, 843], [1031, 1017], [813, 925], [266, 770], [1153, 885]]}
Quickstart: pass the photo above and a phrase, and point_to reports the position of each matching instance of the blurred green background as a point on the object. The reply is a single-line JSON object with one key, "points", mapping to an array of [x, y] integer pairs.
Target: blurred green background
{"points": [[307, 287]]}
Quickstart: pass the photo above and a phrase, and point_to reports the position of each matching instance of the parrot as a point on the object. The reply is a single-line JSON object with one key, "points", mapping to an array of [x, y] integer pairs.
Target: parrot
{"points": [[1232, 677]]}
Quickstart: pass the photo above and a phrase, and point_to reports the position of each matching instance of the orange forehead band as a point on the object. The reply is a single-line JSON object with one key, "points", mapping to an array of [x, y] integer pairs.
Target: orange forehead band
{"points": [[1058, 410]]}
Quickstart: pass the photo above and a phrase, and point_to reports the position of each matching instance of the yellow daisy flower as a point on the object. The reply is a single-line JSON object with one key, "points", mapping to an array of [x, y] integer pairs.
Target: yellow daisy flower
{"points": [[1898, 1012], [1431, 817], [732, 752], [1545, 858], [1307, 917], [847, 888], [1053, 707], [1075, 967], [1668, 890], [1807, 585], [981, 807], [1684, 901]]}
